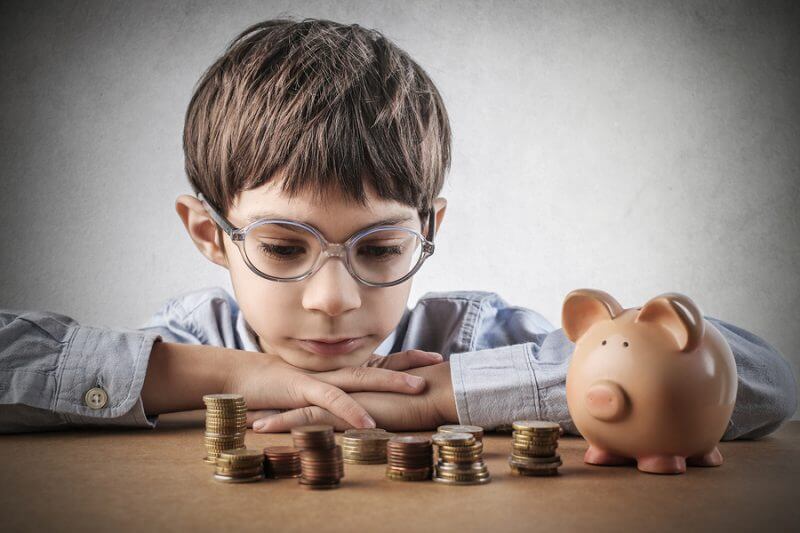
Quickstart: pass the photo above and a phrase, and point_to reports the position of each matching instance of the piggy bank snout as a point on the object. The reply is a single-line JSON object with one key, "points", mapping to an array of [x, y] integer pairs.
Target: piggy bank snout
{"points": [[606, 401]]}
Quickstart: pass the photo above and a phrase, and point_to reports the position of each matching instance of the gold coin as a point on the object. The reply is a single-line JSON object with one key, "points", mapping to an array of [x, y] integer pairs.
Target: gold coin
{"points": [[538, 472], [222, 397], [535, 425], [476, 431]]}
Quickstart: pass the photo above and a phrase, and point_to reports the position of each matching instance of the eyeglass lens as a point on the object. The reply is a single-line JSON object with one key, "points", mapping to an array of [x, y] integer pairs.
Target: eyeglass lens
{"points": [[288, 251]]}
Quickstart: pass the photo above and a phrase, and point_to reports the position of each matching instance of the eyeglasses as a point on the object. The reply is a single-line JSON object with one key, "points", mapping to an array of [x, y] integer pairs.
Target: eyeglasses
{"points": [[288, 250]]}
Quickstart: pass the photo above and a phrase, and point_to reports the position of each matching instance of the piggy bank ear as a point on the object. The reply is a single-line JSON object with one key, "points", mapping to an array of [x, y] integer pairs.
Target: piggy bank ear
{"points": [[584, 307], [679, 315]]}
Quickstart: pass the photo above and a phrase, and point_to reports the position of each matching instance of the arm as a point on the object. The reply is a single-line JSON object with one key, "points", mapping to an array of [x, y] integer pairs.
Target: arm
{"points": [[49, 362], [766, 395], [391, 411], [498, 385], [495, 386]]}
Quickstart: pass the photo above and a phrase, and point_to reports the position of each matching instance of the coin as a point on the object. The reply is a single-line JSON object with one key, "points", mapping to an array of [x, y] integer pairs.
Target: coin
{"points": [[475, 431], [460, 456], [453, 439], [536, 425], [321, 461], [242, 455], [474, 481], [228, 479], [226, 424], [419, 474], [533, 448], [409, 458], [314, 436], [365, 446]]}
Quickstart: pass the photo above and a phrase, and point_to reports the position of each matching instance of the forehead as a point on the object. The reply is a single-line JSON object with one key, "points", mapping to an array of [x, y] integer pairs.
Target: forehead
{"points": [[336, 216]]}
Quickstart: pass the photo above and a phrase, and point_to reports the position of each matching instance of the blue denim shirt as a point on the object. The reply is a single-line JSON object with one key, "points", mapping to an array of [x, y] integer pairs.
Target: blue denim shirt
{"points": [[507, 362]]}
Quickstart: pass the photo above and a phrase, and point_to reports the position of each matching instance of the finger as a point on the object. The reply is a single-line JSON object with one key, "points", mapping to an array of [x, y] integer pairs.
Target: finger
{"points": [[363, 378], [409, 359], [304, 416], [252, 416], [335, 400]]}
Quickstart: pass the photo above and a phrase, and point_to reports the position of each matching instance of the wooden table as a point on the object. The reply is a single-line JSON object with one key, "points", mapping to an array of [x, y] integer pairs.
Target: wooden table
{"points": [[121, 480]]}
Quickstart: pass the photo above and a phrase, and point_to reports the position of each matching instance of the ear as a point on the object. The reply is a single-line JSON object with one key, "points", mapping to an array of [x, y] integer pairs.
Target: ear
{"points": [[439, 207], [584, 307], [201, 228], [686, 326]]}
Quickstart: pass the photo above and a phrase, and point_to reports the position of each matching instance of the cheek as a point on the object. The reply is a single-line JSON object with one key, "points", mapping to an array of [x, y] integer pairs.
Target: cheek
{"points": [[264, 304], [385, 307]]}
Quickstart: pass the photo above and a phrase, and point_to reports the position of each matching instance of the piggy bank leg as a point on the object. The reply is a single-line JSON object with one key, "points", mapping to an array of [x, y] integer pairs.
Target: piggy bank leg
{"points": [[596, 456], [712, 458], [662, 464]]}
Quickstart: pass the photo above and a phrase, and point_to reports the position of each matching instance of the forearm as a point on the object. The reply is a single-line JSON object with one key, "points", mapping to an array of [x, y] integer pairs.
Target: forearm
{"points": [[178, 375]]}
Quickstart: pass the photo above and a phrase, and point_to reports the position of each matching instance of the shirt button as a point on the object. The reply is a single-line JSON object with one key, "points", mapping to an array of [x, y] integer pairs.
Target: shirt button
{"points": [[96, 398]]}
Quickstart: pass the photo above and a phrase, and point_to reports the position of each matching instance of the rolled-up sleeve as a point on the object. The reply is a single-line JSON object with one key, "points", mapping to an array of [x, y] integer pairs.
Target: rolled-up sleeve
{"points": [[495, 385], [766, 395], [49, 362]]}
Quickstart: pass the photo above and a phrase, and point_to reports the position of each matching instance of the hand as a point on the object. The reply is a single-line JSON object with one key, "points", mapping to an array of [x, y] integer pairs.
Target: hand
{"points": [[404, 360], [178, 375], [379, 380], [302, 388], [391, 411]]}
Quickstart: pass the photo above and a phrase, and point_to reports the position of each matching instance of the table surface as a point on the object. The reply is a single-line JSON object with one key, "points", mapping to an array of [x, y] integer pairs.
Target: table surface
{"points": [[156, 479]]}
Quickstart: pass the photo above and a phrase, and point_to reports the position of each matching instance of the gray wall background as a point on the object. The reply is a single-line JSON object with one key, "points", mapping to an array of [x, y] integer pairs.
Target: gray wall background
{"points": [[635, 147]]}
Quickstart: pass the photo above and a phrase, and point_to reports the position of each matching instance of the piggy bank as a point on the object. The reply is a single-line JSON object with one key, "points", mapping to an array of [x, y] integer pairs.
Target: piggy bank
{"points": [[654, 385]]}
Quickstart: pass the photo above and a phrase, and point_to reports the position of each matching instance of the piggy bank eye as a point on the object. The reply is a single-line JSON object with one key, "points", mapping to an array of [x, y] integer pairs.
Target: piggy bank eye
{"points": [[604, 343], [625, 344]]}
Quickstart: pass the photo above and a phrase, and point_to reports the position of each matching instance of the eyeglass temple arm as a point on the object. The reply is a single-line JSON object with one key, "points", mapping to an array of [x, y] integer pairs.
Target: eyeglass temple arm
{"points": [[221, 221], [431, 224]]}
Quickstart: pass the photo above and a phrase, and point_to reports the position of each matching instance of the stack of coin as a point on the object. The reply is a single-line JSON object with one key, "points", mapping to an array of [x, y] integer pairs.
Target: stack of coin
{"points": [[460, 460], [313, 437], [321, 461], [226, 424], [365, 446], [239, 466], [409, 458], [475, 431], [281, 462], [534, 448]]}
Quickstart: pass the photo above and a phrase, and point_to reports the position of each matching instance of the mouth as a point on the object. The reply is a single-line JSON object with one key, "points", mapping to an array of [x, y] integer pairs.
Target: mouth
{"points": [[331, 346]]}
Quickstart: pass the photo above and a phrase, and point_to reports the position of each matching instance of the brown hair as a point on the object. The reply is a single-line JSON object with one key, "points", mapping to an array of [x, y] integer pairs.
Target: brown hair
{"points": [[330, 105]]}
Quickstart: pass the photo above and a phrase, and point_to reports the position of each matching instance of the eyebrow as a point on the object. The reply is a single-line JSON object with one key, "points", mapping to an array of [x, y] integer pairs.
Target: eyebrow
{"points": [[396, 219]]}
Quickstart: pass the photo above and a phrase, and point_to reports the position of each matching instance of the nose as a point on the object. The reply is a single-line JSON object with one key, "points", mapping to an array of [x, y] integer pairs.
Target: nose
{"points": [[606, 401], [332, 289]]}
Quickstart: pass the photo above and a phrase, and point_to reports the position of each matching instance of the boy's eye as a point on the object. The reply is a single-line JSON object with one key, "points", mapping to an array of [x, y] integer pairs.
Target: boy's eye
{"points": [[379, 252], [281, 252]]}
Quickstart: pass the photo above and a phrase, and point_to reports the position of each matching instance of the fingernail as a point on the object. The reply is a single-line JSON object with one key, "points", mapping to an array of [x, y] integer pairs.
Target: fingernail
{"points": [[414, 381], [258, 426], [436, 356], [368, 422]]}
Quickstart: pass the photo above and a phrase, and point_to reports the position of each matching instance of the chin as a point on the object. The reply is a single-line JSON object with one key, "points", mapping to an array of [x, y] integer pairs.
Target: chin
{"points": [[323, 363]]}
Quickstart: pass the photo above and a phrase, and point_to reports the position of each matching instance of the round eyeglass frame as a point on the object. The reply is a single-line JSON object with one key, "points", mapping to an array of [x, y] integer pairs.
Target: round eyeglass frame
{"points": [[328, 249]]}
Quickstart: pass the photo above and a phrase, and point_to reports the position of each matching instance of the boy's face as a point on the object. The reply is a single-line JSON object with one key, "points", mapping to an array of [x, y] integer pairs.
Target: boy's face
{"points": [[330, 304]]}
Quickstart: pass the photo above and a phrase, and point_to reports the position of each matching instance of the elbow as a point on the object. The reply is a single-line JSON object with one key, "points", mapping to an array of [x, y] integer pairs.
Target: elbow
{"points": [[765, 399], [784, 404]]}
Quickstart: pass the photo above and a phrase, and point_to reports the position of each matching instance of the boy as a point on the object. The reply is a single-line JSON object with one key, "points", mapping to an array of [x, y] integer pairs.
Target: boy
{"points": [[317, 152]]}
